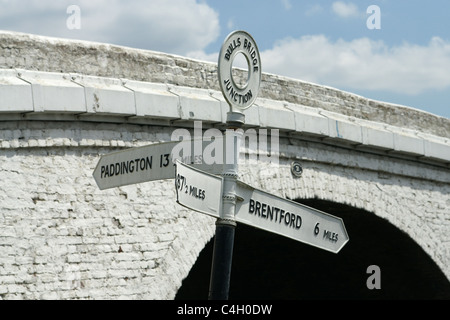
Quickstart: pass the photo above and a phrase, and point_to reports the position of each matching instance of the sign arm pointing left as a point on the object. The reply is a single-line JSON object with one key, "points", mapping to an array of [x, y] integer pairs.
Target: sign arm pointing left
{"points": [[147, 163]]}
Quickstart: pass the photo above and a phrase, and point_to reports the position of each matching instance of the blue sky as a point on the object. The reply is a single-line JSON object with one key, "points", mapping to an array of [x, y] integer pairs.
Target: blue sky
{"points": [[406, 61]]}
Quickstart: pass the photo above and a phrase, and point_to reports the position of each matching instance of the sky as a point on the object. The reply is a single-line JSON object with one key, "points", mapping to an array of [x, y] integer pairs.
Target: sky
{"points": [[396, 51]]}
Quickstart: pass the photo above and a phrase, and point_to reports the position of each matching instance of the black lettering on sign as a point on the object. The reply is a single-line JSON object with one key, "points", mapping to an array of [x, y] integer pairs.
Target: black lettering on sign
{"points": [[182, 185], [231, 47], [164, 160], [274, 214], [331, 236], [197, 193], [126, 167], [252, 52], [234, 95]]}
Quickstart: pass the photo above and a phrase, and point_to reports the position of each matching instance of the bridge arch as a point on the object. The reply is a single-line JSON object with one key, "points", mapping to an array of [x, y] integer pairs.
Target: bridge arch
{"points": [[268, 266]]}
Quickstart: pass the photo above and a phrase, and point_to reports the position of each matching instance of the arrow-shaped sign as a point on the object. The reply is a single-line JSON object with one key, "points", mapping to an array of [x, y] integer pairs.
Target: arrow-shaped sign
{"points": [[290, 219], [149, 163]]}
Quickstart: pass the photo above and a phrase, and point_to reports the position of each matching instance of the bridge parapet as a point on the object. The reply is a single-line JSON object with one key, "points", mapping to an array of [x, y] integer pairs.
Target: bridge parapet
{"points": [[39, 53], [28, 95]]}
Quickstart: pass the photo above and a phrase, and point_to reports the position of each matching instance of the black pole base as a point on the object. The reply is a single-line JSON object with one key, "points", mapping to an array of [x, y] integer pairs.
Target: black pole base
{"points": [[219, 285]]}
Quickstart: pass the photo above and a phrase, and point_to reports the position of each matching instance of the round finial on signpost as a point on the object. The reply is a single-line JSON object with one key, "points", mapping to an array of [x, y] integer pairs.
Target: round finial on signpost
{"points": [[239, 97]]}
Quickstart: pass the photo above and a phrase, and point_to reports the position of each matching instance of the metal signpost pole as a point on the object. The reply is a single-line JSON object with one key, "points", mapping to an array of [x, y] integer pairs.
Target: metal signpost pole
{"points": [[239, 98], [226, 223]]}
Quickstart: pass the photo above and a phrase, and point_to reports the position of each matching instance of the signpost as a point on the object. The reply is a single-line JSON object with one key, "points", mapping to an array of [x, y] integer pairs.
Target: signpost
{"points": [[224, 198], [239, 98], [148, 163]]}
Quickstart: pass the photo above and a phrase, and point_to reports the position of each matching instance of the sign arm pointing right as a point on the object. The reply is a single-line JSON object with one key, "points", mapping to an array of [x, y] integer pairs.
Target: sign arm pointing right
{"points": [[290, 219]]}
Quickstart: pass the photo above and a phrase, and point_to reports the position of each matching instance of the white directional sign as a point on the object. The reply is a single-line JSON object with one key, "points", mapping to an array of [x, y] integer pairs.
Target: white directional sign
{"points": [[288, 218], [198, 190], [149, 163]]}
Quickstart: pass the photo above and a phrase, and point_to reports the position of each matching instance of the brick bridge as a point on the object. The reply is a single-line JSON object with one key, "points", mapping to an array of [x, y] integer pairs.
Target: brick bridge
{"points": [[383, 168]]}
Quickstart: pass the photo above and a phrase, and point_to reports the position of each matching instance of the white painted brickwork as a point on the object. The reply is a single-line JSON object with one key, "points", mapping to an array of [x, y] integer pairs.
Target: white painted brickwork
{"points": [[64, 238], [69, 102], [61, 235]]}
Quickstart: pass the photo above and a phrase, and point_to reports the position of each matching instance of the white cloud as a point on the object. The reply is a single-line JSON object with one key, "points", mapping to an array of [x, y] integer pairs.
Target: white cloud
{"points": [[345, 10], [286, 4], [314, 9], [362, 63], [230, 24], [174, 26]]}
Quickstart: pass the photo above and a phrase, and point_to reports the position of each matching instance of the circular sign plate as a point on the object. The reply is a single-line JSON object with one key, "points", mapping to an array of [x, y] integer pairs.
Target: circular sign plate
{"points": [[240, 97]]}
